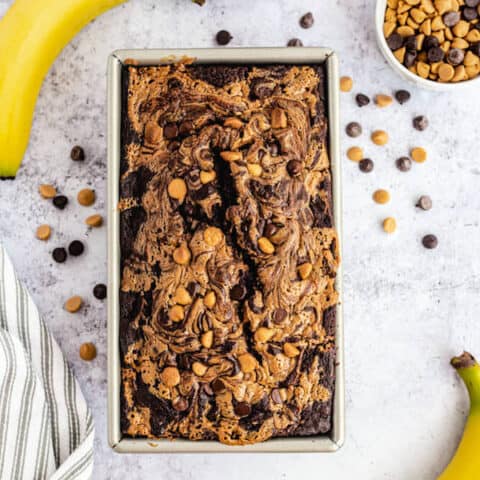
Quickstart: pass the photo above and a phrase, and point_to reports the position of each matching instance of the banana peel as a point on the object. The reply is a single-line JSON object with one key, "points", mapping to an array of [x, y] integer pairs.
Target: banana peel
{"points": [[32, 34], [465, 464]]}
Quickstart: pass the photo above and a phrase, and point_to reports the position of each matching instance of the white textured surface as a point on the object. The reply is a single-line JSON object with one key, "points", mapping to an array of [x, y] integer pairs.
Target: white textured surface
{"points": [[407, 310]]}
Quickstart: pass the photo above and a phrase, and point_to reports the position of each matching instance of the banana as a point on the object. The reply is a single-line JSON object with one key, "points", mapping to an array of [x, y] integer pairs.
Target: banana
{"points": [[465, 464], [32, 34]]}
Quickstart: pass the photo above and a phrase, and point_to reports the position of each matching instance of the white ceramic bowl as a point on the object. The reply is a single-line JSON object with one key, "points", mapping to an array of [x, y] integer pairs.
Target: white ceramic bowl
{"points": [[403, 71]]}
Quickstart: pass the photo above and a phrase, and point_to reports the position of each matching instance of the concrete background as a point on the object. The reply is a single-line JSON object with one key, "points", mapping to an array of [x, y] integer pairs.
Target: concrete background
{"points": [[407, 309]]}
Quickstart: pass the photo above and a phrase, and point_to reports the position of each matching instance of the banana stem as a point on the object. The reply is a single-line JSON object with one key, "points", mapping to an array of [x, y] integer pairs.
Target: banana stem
{"points": [[469, 370]]}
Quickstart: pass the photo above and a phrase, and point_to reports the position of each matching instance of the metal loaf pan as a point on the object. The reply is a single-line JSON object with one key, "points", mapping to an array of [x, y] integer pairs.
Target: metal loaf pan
{"points": [[322, 443]]}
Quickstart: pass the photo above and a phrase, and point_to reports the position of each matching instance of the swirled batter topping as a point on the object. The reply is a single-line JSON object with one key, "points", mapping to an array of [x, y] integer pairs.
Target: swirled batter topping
{"points": [[229, 253]]}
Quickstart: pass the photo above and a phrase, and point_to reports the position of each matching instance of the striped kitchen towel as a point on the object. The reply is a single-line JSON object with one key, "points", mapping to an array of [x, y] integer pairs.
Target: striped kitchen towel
{"points": [[46, 427]]}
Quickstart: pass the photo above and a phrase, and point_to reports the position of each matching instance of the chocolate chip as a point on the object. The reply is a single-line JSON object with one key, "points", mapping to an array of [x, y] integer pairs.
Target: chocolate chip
{"points": [[207, 389], [402, 96], [273, 148], [472, 3], [270, 229], [420, 123], [100, 291], [306, 21], [170, 131], [186, 127], [450, 19], [404, 164], [174, 83], [217, 385], [455, 56], [203, 192], [410, 57], [77, 154], [223, 37], [279, 315], [294, 42], [242, 409], [469, 14], [180, 404], [260, 88], [365, 165], [410, 43], [430, 42], [238, 292], [430, 241], [424, 202], [60, 201], [294, 167], [395, 41], [362, 100], [255, 303], [193, 289], [435, 54], [76, 248], [475, 48], [173, 146], [353, 129], [59, 254], [276, 397]]}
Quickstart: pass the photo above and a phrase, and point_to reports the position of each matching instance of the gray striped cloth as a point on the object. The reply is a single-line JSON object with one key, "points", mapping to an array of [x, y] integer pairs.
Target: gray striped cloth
{"points": [[46, 427]]}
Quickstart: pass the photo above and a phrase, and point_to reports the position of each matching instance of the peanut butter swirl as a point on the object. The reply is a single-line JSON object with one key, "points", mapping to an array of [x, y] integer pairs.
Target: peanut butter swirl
{"points": [[229, 254]]}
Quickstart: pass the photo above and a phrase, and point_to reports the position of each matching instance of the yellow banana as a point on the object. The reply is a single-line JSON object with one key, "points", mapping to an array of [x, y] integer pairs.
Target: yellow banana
{"points": [[465, 464], [32, 34]]}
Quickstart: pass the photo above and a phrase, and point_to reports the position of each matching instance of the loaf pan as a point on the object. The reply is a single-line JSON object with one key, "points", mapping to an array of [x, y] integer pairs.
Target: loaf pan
{"points": [[321, 443]]}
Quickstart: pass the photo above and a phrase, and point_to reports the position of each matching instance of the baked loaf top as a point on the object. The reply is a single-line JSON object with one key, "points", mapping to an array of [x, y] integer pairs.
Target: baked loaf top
{"points": [[229, 254]]}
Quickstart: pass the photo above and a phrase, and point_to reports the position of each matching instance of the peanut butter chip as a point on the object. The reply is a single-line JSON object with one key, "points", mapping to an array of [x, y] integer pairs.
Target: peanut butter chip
{"points": [[170, 376], [199, 369], [207, 177], [265, 245], [446, 72], [346, 84], [176, 313], [264, 334], [94, 220], [233, 122], [182, 255], [207, 339], [355, 154], [86, 197], [381, 196], [210, 299], [231, 156], [43, 232], [380, 137], [212, 236], [182, 296], [290, 350], [389, 225], [47, 191], [279, 118], [304, 270], [87, 351], [461, 29], [418, 154], [177, 189], [247, 363], [73, 304], [254, 169], [383, 100], [405, 31]]}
